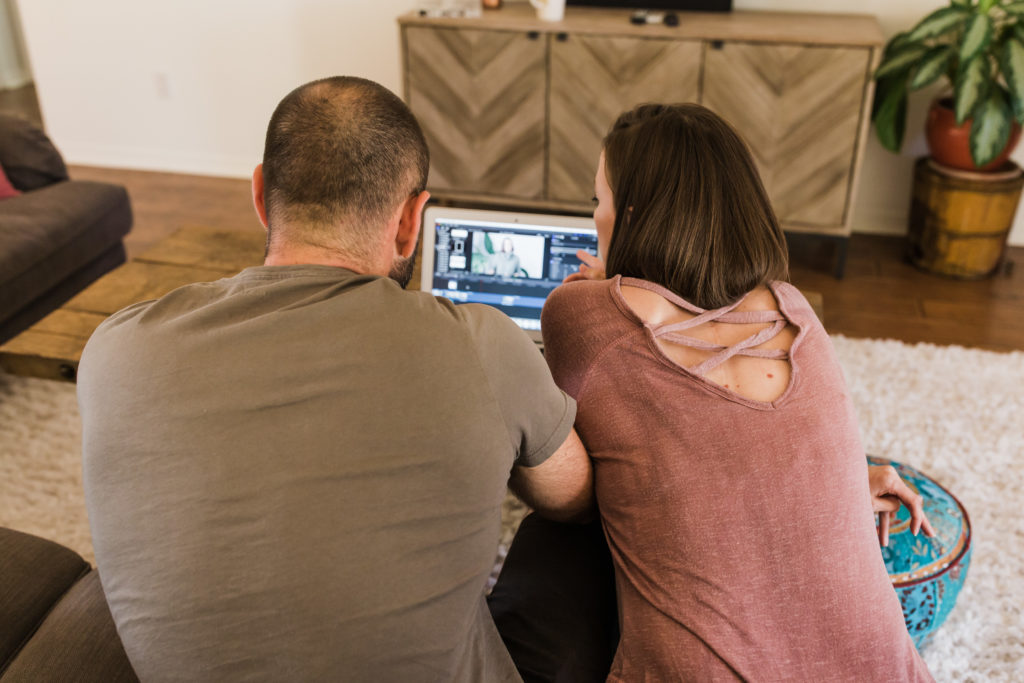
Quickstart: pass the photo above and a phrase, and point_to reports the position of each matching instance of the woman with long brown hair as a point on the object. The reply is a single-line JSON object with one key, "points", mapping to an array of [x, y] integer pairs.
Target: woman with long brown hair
{"points": [[730, 476]]}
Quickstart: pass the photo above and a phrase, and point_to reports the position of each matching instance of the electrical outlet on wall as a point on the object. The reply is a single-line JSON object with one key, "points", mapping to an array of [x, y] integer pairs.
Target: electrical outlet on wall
{"points": [[162, 82]]}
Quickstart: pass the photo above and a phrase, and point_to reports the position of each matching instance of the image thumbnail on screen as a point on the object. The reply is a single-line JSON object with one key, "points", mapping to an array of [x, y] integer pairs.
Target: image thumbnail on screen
{"points": [[507, 255]]}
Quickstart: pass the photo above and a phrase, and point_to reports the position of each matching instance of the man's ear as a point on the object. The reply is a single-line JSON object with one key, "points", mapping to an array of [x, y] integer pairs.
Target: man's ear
{"points": [[409, 224], [257, 195]]}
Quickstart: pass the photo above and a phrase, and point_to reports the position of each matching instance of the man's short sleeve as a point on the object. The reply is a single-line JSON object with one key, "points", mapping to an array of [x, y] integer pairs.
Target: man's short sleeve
{"points": [[537, 414]]}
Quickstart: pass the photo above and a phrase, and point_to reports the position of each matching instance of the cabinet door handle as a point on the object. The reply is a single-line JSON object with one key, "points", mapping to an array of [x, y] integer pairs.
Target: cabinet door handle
{"points": [[561, 37], [533, 35], [717, 44]]}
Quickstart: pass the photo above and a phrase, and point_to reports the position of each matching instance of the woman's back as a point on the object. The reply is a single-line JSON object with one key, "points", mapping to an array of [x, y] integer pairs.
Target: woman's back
{"points": [[732, 488], [759, 378]]}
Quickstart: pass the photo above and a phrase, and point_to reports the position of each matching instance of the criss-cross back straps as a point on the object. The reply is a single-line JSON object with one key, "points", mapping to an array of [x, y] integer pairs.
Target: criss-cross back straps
{"points": [[724, 353], [672, 331]]}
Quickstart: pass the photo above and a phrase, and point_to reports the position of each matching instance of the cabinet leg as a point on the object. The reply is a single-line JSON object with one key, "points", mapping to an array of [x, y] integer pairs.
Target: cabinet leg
{"points": [[842, 243]]}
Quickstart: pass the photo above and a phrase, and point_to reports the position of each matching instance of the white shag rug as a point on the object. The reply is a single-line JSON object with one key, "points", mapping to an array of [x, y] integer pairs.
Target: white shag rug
{"points": [[957, 414]]}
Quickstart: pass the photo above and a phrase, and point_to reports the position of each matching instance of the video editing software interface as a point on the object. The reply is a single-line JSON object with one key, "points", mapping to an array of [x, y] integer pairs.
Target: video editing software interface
{"points": [[511, 266]]}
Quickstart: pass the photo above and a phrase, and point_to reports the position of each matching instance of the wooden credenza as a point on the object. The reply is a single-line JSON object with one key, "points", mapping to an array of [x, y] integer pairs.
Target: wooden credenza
{"points": [[514, 109]]}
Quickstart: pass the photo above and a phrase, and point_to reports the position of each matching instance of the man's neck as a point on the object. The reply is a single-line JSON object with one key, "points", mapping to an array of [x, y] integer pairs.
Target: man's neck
{"points": [[301, 255]]}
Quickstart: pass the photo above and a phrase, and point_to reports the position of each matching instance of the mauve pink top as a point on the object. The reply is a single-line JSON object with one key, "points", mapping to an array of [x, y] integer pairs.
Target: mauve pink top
{"points": [[742, 532]]}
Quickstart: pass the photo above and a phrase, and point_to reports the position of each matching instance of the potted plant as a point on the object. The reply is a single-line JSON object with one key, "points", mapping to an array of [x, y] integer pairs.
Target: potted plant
{"points": [[978, 45]]}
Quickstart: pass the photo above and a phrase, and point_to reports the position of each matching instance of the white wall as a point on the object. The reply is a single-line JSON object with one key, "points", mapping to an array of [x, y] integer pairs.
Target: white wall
{"points": [[189, 85]]}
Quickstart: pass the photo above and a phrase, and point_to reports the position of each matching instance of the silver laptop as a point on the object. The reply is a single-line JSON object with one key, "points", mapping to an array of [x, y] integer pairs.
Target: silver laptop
{"points": [[505, 259]]}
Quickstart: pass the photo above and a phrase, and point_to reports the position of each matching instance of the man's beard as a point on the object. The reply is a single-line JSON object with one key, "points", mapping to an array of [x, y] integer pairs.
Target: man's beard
{"points": [[401, 270]]}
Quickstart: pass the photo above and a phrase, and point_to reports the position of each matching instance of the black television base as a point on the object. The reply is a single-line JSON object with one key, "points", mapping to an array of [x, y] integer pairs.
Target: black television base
{"points": [[677, 5]]}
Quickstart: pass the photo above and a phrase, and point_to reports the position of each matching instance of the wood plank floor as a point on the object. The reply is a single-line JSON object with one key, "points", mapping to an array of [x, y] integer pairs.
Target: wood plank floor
{"points": [[881, 296]]}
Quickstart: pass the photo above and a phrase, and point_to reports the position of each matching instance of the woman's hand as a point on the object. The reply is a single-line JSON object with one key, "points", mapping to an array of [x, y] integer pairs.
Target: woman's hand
{"points": [[887, 492], [591, 268]]}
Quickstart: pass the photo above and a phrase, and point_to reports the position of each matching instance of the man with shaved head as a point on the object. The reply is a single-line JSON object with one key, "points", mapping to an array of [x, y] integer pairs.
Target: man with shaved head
{"points": [[296, 473]]}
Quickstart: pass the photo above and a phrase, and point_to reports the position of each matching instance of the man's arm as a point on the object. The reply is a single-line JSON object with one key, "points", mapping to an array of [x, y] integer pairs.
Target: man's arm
{"points": [[560, 488]]}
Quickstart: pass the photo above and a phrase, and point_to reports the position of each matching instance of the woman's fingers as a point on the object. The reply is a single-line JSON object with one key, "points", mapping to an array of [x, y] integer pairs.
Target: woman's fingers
{"points": [[882, 480], [927, 527], [591, 260], [915, 504], [887, 486], [884, 519], [591, 267], [886, 504]]}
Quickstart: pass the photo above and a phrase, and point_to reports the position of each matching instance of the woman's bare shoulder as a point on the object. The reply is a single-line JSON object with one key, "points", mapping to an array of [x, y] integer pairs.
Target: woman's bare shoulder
{"points": [[759, 299], [655, 309], [651, 307]]}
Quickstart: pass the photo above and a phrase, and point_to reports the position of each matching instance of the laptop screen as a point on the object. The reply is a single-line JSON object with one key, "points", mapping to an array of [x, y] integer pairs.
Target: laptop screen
{"points": [[508, 260]]}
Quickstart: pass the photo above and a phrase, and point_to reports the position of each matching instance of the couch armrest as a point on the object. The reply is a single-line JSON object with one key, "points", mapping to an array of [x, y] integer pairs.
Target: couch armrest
{"points": [[77, 642], [36, 574], [29, 158]]}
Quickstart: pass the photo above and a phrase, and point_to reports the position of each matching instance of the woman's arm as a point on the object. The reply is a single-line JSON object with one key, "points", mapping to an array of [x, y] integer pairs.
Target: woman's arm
{"points": [[565, 324]]}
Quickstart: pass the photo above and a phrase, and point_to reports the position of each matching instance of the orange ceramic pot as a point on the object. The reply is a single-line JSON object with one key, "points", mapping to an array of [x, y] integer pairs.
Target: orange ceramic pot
{"points": [[950, 144]]}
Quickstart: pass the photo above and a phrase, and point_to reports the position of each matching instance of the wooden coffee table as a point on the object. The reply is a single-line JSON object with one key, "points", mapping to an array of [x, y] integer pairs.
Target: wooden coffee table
{"points": [[52, 347]]}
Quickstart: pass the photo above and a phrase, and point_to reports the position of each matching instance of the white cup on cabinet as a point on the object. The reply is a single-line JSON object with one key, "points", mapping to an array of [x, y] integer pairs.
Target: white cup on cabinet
{"points": [[549, 10]]}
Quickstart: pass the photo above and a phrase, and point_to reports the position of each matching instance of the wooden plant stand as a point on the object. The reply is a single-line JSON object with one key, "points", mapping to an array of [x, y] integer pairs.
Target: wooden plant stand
{"points": [[959, 221]]}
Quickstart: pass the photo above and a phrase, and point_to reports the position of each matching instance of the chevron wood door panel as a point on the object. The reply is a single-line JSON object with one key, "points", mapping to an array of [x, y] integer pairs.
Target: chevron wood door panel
{"points": [[799, 109], [596, 78], [480, 98]]}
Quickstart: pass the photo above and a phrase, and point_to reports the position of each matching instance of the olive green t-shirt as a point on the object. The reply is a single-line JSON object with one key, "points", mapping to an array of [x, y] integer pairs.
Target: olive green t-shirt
{"points": [[296, 474]]}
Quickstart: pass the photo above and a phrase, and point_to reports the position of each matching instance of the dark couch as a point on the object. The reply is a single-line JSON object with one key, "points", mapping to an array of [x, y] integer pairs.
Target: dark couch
{"points": [[55, 625], [56, 237]]}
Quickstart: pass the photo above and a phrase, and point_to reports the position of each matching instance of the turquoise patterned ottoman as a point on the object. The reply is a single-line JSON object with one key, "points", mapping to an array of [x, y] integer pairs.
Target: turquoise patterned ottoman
{"points": [[927, 573]]}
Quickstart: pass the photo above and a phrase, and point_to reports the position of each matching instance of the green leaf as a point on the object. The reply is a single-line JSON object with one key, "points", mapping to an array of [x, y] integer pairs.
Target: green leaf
{"points": [[900, 62], [976, 38], [889, 112], [990, 127], [938, 22], [488, 244], [882, 89], [931, 66], [1012, 64], [895, 43], [971, 87], [1016, 8]]}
